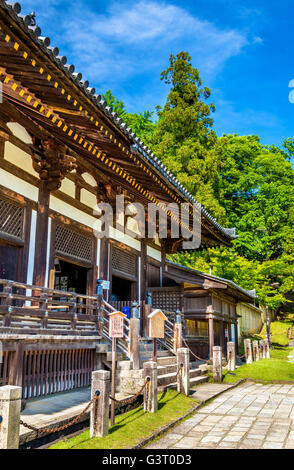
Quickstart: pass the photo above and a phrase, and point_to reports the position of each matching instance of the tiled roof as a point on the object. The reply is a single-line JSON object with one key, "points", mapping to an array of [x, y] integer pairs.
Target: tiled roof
{"points": [[28, 24], [250, 293]]}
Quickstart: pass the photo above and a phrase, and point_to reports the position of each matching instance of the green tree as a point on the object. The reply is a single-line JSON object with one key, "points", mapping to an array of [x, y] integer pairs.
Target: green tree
{"points": [[183, 137], [114, 103]]}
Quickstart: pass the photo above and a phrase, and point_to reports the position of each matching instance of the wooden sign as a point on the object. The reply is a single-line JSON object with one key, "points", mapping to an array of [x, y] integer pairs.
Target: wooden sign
{"points": [[116, 324], [156, 324]]}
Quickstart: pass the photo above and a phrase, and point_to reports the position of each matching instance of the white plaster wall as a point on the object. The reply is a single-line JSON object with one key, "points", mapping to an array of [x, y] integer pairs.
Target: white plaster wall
{"points": [[71, 212], [8, 180], [18, 157], [87, 198], [153, 253], [68, 187]]}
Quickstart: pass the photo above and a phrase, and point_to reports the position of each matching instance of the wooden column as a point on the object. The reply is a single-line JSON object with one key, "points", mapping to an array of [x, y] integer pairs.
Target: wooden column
{"points": [[42, 235], [143, 282], [230, 332], [162, 264], [103, 266], [236, 338], [222, 335], [211, 337]]}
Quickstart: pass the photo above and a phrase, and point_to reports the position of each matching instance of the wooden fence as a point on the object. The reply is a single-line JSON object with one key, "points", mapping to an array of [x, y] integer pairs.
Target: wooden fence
{"points": [[46, 372]]}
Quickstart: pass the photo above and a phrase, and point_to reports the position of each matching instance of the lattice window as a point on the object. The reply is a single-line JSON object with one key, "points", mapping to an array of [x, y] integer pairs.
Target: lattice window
{"points": [[166, 300], [69, 242], [11, 219], [124, 261]]}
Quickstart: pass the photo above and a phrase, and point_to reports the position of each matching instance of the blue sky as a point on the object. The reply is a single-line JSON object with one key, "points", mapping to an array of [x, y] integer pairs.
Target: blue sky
{"points": [[243, 50]]}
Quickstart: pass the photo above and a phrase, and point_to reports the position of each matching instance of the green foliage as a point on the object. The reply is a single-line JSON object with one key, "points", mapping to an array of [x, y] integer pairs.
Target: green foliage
{"points": [[117, 106], [142, 125]]}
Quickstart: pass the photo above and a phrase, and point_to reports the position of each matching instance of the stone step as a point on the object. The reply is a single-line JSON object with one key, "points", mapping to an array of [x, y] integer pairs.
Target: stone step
{"points": [[166, 360], [193, 382], [164, 379]]}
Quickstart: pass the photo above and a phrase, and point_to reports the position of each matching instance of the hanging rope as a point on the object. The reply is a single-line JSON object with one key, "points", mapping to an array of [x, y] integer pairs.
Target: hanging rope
{"points": [[60, 428], [193, 354], [133, 398]]}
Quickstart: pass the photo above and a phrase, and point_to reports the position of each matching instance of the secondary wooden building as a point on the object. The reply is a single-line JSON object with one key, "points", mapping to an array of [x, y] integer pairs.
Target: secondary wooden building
{"points": [[210, 306]]}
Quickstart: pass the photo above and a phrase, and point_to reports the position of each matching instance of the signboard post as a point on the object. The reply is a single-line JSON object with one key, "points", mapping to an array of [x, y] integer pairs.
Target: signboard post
{"points": [[116, 330], [156, 328]]}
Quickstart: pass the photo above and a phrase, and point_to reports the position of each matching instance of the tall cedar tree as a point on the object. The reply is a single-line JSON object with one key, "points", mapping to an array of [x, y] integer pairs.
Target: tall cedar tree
{"points": [[183, 137]]}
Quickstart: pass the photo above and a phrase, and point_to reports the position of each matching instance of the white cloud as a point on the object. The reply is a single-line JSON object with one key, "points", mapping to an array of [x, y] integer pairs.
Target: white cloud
{"points": [[134, 38]]}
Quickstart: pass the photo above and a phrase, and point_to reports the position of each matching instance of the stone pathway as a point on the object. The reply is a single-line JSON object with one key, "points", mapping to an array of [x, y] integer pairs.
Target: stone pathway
{"points": [[251, 416]]}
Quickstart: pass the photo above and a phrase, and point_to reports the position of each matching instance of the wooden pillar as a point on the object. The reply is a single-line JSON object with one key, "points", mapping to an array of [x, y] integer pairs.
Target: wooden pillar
{"points": [[162, 264], [222, 336], [143, 282], [229, 332], [16, 368], [42, 235], [103, 266], [236, 338], [211, 337]]}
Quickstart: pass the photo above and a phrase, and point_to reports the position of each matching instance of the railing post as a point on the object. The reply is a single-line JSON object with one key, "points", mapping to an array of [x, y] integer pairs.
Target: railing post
{"points": [[178, 332], [146, 310], [217, 364], [73, 310], [99, 416], [261, 345], [231, 355], [150, 391], [248, 351], [183, 363], [8, 301], [10, 405], [267, 354], [134, 333], [43, 304], [255, 350]]}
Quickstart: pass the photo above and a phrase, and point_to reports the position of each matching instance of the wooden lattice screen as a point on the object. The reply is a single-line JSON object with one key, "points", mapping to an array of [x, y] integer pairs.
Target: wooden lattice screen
{"points": [[47, 372], [166, 299], [11, 219], [124, 261], [70, 242]]}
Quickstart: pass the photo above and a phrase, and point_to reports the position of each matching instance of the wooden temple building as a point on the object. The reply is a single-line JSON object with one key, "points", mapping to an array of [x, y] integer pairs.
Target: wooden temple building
{"points": [[62, 151]]}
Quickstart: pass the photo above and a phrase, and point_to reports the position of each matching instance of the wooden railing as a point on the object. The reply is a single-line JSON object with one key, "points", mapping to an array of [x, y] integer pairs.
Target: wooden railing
{"points": [[168, 341], [122, 343], [28, 309]]}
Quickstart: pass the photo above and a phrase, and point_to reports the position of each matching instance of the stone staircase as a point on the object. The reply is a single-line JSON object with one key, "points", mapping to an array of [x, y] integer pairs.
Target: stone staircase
{"points": [[167, 369]]}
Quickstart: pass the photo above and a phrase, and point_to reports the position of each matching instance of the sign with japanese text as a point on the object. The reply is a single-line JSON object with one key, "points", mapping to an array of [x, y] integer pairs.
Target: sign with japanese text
{"points": [[116, 324]]}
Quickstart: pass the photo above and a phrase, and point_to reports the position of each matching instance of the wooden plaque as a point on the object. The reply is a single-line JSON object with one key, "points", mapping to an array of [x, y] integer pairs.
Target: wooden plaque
{"points": [[116, 324], [156, 324]]}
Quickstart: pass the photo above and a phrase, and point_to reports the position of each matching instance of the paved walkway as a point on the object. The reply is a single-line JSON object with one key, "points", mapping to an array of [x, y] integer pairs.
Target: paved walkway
{"points": [[251, 416]]}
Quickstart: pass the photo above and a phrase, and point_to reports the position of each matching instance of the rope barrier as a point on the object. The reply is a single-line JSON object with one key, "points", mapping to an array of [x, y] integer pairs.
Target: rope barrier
{"points": [[133, 398], [193, 354], [174, 379], [60, 428]]}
